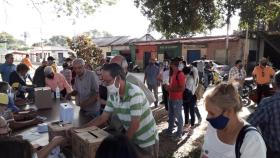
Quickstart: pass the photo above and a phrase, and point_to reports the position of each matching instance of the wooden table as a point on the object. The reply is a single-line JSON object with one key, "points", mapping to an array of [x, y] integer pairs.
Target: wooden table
{"points": [[52, 115]]}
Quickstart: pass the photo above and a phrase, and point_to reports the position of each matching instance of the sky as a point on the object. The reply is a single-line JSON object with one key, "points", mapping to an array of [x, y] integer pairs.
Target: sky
{"points": [[121, 19]]}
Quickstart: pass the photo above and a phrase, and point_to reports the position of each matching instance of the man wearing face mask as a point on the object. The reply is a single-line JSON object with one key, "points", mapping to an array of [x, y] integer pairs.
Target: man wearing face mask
{"points": [[129, 103], [263, 75], [165, 79], [8, 115], [86, 89], [19, 76], [7, 68], [151, 76], [237, 74], [56, 80], [175, 89]]}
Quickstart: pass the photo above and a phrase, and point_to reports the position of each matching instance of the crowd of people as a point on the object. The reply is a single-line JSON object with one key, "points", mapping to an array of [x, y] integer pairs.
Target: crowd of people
{"points": [[111, 95]]}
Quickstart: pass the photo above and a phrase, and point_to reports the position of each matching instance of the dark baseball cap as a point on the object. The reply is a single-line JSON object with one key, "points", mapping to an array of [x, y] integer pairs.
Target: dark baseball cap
{"points": [[50, 58]]}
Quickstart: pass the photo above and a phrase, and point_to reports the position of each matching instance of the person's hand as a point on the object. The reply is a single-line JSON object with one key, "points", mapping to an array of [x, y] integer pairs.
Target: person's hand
{"points": [[59, 140], [167, 87], [83, 104], [38, 120], [68, 97]]}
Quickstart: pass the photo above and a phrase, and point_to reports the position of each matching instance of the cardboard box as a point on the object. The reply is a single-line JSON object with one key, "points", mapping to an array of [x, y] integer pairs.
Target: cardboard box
{"points": [[86, 141], [43, 97], [66, 112], [58, 129], [160, 114]]}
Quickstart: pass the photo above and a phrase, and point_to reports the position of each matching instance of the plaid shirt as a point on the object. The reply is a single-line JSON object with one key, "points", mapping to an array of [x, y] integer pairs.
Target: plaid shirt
{"points": [[235, 73], [267, 118], [67, 74]]}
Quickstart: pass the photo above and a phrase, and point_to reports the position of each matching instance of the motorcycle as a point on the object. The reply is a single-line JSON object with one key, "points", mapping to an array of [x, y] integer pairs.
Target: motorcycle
{"points": [[133, 67], [248, 86]]}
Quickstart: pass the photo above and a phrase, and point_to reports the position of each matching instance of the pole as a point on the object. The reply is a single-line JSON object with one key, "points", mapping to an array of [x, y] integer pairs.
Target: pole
{"points": [[227, 40], [246, 50]]}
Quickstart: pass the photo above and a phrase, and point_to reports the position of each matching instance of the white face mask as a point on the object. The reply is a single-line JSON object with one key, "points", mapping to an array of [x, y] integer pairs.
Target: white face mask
{"points": [[181, 67], [112, 89]]}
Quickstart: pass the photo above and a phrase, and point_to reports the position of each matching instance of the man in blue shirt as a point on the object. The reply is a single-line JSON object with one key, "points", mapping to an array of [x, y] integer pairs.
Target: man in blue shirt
{"points": [[7, 68], [267, 118], [152, 77]]}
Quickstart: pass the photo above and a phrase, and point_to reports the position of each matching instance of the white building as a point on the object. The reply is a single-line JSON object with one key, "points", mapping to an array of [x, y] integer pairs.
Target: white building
{"points": [[38, 54]]}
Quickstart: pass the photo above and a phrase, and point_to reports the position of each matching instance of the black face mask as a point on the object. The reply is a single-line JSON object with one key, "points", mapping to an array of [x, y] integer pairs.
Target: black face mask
{"points": [[264, 64], [50, 76], [240, 66]]}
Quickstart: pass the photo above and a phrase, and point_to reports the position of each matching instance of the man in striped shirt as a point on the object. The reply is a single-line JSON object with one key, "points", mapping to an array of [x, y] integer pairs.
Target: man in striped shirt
{"points": [[129, 103]]}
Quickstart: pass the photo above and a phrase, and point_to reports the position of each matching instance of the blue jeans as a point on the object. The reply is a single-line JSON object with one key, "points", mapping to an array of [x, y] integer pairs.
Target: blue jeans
{"points": [[175, 111]]}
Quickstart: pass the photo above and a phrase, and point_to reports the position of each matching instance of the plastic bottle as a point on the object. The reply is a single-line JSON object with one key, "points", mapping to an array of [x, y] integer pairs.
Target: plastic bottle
{"points": [[11, 94], [57, 93]]}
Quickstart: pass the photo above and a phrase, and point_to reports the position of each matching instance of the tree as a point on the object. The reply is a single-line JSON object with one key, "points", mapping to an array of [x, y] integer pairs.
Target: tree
{"points": [[72, 8], [86, 49], [95, 34], [12, 43], [261, 13], [58, 41], [187, 17], [180, 17]]}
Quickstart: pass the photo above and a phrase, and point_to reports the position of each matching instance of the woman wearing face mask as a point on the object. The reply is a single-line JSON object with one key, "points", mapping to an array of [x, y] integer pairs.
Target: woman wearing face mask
{"points": [[225, 128], [54, 80], [19, 76]]}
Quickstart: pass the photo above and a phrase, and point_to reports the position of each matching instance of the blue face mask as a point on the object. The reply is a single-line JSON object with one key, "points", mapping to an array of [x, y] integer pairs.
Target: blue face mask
{"points": [[219, 122]]}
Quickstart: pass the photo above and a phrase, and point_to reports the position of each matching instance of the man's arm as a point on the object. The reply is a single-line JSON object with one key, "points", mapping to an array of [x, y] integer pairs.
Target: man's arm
{"points": [[145, 74], [46, 150], [181, 84], [100, 120], [90, 100], [94, 89], [22, 124], [134, 126], [259, 116]]}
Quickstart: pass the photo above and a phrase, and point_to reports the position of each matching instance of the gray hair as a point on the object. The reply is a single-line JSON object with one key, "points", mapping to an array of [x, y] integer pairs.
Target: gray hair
{"points": [[79, 61], [48, 70]]}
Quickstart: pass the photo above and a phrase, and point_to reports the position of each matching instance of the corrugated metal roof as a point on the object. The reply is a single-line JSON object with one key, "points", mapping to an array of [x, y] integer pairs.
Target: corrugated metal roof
{"points": [[105, 41], [188, 40], [120, 40], [125, 40]]}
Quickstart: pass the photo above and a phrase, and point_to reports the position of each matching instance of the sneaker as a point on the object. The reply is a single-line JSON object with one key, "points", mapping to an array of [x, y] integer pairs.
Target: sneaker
{"points": [[199, 121]]}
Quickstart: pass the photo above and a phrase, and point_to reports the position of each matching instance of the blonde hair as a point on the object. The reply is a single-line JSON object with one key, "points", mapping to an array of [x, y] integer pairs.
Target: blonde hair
{"points": [[224, 96]]}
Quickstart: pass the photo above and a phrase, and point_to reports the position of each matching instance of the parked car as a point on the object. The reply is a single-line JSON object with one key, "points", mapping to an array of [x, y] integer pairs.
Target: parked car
{"points": [[109, 58], [222, 69]]}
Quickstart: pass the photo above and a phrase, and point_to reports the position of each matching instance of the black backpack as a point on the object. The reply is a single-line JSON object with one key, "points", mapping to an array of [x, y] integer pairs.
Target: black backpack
{"points": [[240, 138]]}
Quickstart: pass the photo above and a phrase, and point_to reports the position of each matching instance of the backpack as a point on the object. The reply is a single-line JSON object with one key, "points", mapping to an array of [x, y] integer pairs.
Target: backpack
{"points": [[240, 138]]}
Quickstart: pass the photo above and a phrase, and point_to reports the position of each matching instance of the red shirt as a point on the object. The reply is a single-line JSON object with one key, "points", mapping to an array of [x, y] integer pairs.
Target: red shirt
{"points": [[180, 81]]}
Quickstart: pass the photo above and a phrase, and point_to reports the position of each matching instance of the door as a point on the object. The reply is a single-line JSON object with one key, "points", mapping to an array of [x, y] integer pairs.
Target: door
{"points": [[252, 61], [193, 55], [147, 56], [60, 57]]}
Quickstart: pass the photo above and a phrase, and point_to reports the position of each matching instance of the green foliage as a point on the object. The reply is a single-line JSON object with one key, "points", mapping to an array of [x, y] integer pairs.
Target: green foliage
{"points": [[95, 33], [86, 49], [180, 17], [176, 18], [12, 43], [75, 8], [262, 12], [58, 41]]}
